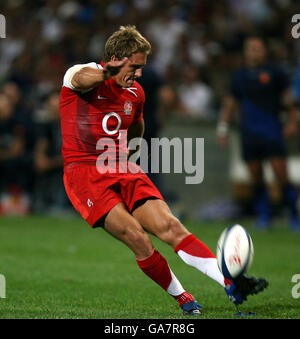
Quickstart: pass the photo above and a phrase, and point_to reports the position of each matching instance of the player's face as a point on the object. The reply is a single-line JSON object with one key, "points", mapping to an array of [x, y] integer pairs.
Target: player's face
{"points": [[131, 70], [255, 52]]}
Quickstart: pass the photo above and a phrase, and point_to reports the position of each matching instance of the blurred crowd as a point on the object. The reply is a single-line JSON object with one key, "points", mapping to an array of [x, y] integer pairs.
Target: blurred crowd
{"points": [[196, 46]]}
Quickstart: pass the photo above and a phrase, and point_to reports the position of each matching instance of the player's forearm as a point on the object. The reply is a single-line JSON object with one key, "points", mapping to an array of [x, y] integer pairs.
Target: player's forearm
{"points": [[87, 78], [290, 105], [228, 108], [226, 116]]}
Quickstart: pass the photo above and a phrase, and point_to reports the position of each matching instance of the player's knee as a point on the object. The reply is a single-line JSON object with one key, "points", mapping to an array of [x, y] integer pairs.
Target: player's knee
{"points": [[171, 230], [138, 237], [138, 241]]}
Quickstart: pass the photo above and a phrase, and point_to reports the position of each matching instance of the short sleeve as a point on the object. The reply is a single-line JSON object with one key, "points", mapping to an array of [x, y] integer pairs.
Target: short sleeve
{"points": [[67, 81]]}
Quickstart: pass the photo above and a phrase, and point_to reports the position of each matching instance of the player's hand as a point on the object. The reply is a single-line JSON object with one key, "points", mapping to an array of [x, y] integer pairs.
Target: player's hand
{"points": [[113, 67], [290, 129]]}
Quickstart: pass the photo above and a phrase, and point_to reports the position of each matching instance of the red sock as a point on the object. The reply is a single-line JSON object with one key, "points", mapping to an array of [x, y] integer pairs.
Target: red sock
{"points": [[195, 247], [156, 267]]}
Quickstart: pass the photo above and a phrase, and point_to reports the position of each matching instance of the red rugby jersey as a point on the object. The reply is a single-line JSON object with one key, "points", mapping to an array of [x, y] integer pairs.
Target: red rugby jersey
{"points": [[103, 112]]}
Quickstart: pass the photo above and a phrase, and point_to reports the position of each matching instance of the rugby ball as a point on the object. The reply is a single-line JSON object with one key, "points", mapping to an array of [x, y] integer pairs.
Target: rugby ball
{"points": [[234, 251]]}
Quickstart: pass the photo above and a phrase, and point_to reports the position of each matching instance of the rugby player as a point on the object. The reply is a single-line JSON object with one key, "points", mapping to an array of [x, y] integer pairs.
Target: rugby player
{"points": [[99, 104], [259, 90]]}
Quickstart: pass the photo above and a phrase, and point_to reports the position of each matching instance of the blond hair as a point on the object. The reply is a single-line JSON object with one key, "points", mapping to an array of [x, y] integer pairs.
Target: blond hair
{"points": [[124, 43]]}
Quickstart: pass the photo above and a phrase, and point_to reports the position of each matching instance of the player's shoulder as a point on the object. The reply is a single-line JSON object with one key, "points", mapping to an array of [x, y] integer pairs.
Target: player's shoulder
{"points": [[272, 66], [137, 91], [140, 89], [276, 69]]}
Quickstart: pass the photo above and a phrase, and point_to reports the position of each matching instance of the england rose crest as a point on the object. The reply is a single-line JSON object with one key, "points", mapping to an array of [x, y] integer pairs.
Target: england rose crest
{"points": [[128, 107]]}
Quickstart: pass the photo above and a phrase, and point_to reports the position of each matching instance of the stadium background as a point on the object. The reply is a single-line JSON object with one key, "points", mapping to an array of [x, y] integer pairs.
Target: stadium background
{"points": [[199, 50], [48, 256]]}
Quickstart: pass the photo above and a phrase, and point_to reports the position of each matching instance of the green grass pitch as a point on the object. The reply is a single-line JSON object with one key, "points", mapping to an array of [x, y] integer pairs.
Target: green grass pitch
{"points": [[60, 268]]}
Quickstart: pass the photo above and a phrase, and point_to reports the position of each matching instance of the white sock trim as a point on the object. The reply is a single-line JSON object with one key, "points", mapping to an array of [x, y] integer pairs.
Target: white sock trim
{"points": [[208, 266], [175, 288]]}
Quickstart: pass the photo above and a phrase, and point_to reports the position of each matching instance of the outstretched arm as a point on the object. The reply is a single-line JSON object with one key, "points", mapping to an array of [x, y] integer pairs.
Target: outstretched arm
{"points": [[87, 77]]}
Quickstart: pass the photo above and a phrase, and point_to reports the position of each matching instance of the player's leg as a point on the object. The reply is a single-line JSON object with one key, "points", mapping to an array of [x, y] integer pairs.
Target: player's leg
{"points": [[123, 226], [254, 149], [155, 216], [289, 191], [260, 193]]}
